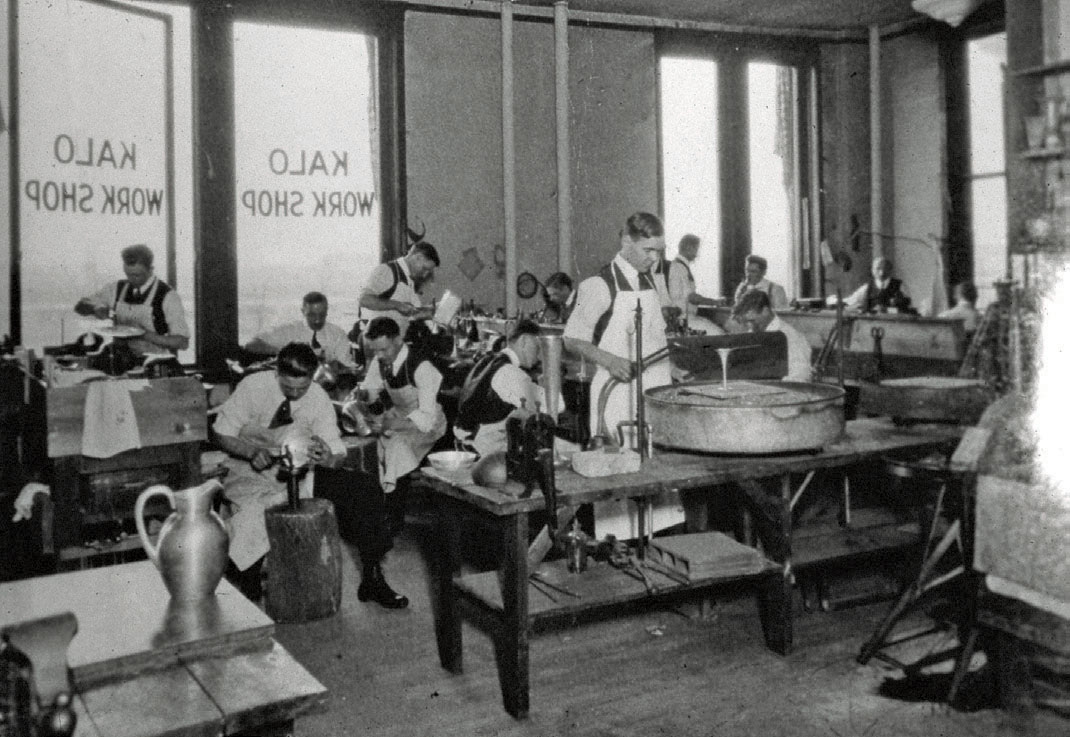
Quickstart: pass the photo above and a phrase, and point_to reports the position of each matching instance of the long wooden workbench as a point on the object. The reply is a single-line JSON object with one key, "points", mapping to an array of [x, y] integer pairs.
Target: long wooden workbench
{"points": [[501, 598]]}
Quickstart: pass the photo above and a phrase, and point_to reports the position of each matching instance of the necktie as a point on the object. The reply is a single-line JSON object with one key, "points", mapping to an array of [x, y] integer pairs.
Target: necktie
{"points": [[315, 341], [282, 416]]}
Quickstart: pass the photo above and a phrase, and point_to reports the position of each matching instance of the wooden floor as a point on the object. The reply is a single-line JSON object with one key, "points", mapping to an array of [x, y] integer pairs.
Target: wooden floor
{"points": [[661, 672]]}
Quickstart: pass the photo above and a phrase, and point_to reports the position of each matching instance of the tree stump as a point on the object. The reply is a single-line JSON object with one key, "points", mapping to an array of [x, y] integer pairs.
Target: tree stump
{"points": [[304, 565]]}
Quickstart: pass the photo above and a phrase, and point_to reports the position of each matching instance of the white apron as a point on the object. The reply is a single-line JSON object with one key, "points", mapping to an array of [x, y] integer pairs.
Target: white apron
{"points": [[620, 518], [250, 493], [403, 451]]}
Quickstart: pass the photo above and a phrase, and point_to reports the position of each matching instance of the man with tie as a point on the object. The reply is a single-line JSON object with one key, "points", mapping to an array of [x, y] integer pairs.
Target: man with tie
{"points": [[267, 414], [144, 301], [601, 329], [327, 340]]}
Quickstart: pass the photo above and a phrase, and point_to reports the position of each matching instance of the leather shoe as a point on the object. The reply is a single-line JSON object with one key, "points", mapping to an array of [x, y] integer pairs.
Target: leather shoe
{"points": [[375, 588]]}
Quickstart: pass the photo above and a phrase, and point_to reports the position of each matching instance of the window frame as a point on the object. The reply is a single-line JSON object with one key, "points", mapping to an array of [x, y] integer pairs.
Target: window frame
{"points": [[733, 52]]}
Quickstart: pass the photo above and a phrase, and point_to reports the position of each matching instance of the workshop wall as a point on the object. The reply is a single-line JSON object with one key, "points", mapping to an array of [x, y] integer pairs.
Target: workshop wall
{"points": [[453, 142]]}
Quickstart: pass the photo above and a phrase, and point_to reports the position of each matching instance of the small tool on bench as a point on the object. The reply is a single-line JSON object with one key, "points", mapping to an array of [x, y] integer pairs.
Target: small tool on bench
{"points": [[542, 588], [536, 576]]}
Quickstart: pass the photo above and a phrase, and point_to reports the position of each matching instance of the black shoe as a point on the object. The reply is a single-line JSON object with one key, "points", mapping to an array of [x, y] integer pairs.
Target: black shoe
{"points": [[375, 588]]}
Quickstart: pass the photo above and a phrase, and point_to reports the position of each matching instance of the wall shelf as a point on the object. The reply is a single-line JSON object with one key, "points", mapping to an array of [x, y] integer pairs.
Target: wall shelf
{"points": [[1033, 154], [1056, 67]]}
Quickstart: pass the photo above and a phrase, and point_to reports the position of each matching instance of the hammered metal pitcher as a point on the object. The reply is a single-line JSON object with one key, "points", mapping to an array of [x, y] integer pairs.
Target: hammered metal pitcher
{"points": [[191, 550]]}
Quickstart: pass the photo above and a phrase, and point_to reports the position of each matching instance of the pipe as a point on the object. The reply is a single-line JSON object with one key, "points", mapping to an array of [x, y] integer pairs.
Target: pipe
{"points": [[508, 158], [640, 402], [603, 396], [561, 100], [876, 215]]}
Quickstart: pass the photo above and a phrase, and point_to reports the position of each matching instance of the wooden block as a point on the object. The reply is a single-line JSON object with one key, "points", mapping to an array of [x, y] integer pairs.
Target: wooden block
{"points": [[259, 689], [169, 703], [304, 564], [701, 554]]}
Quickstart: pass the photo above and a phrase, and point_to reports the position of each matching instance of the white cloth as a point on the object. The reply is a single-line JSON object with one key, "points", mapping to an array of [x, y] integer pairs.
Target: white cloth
{"points": [[250, 409], [798, 350], [109, 424], [777, 296], [334, 342], [966, 312], [619, 518], [381, 279], [24, 501]]}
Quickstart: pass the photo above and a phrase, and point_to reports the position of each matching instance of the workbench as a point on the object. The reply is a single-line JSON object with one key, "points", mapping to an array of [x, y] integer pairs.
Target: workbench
{"points": [[142, 665], [501, 598]]}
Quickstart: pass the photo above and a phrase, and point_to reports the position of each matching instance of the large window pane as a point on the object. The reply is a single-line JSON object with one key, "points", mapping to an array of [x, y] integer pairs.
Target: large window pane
{"points": [[988, 190], [773, 175], [104, 153], [308, 215], [690, 171]]}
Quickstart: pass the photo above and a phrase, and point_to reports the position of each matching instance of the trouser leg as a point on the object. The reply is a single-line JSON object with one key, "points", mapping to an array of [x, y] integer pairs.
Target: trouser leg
{"points": [[359, 508]]}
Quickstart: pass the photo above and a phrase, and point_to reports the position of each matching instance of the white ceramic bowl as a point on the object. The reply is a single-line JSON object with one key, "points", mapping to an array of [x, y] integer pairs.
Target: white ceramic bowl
{"points": [[449, 461]]}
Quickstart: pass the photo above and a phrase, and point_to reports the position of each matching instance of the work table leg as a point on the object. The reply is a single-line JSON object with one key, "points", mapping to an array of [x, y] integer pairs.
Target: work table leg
{"points": [[513, 641], [776, 589], [447, 564]]}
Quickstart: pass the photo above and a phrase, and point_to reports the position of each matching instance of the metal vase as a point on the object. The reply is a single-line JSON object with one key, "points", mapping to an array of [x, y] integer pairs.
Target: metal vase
{"points": [[191, 549], [551, 348]]}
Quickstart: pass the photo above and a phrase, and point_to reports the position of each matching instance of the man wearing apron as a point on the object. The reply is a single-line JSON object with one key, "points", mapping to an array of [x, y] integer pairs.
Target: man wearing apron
{"points": [[402, 386], [141, 300], [684, 296], [601, 329], [391, 288]]}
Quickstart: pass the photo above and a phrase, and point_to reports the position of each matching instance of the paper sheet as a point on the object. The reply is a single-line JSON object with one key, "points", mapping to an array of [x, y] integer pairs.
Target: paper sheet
{"points": [[447, 308]]}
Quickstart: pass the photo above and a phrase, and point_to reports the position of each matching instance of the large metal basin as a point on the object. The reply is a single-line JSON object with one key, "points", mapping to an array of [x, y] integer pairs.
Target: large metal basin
{"points": [[744, 417]]}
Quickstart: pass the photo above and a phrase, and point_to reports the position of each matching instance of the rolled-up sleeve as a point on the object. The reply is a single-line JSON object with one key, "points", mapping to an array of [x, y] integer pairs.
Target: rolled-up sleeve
{"points": [[679, 285], [325, 420], [428, 380], [592, 300], [381, 279], [175, 315]]}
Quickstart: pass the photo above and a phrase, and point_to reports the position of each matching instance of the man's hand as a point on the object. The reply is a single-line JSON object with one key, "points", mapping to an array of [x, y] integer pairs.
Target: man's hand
{"points": [[406, 309], [319, 452], [261, 459], [620, 368]]}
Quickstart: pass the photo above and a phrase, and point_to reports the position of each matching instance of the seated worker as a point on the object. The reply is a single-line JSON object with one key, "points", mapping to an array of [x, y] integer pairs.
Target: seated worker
{"points": [[143, 301], [328, 341], [391, 290], [882, 292], [559, 297], [965, 308], [496, 386], [755, 311], [266, 412], [402, 386], [756, 266]]}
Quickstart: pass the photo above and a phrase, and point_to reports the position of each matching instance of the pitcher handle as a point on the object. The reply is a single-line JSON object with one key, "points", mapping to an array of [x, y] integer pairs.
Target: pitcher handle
{"points": [[139, 519]]}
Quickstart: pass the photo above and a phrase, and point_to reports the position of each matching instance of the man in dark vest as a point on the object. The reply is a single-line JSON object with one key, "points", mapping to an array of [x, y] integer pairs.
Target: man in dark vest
{"points": [[882, 292], [496, 386], [141, 301]]}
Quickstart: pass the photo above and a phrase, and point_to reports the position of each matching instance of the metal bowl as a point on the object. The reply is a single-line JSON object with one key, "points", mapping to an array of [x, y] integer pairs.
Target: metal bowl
{"points": [[451, 461]]}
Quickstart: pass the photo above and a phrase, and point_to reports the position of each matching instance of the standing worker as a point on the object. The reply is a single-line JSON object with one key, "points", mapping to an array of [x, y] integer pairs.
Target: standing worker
{"points": [[601, 330], [391, 288]]}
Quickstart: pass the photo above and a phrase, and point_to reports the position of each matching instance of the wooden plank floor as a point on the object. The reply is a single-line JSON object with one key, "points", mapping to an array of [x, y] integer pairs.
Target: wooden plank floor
{"points": [[659, 672]]}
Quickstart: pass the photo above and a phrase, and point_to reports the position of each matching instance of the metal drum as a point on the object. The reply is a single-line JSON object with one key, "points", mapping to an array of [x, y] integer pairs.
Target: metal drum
{"points": [[746, 417]]}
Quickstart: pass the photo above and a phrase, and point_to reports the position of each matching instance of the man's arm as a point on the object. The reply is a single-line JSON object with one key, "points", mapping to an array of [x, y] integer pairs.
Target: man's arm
{"points": [[592, 300], [170, 342], [96, 305]]}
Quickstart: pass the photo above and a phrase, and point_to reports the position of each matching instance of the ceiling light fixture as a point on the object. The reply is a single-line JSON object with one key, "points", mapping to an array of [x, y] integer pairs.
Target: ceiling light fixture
{"points": [[951, 12]]}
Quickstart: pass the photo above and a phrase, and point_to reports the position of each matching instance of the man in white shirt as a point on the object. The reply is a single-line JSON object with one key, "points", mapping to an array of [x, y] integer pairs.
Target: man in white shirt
{"points": [[392, 288], [965, 308], [495, 387], [327, 340], [755, 280], [682, 290], [141, 300], [755, 311]]}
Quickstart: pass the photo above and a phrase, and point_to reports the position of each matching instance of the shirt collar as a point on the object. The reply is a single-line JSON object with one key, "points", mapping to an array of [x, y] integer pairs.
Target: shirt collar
{"points": [[400, 360], [144, 288], [628, 270], [511, 355]]}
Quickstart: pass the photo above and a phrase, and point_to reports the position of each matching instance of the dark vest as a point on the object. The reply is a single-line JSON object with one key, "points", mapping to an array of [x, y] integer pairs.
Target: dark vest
{"points": [[405, 376], [891, 296], [399, 277], [159, 322], [479, 403]]}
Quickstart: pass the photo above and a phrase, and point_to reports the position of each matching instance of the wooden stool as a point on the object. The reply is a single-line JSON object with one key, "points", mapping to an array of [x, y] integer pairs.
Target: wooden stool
{"points": [[304, 565]]}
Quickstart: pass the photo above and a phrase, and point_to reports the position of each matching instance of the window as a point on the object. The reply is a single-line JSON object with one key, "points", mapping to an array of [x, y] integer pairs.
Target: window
{"points": [[986, 58], [104, 155], [307, 164], [743, 195], [690, 166]]}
